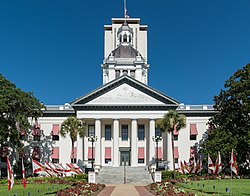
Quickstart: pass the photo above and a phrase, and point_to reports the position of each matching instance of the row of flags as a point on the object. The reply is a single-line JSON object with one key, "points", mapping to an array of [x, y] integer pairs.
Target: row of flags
{"points": [[47, 169], [55, 169], [191, 167], [215, 169]]}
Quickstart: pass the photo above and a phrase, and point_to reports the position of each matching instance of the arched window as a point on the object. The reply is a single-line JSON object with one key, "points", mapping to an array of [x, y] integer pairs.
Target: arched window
{"points": [[132, 73], [125, 38], [125, 72], [117, 73]]}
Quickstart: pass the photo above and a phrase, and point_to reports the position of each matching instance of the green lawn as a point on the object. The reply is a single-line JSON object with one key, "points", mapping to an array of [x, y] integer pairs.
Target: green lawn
{"points": [[223, 187], [32, 189]]}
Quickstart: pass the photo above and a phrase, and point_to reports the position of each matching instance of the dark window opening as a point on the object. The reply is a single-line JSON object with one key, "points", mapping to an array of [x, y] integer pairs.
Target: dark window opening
{"points": [[55, 137], [107, 132], [107, 160], [140, 160], [124, 132], [192, 137], [91, 130], [141, 132], [55, 160]]}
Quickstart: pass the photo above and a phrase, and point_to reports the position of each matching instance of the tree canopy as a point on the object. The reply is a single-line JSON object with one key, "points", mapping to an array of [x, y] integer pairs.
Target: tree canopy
{"points": [[16, 107], [73, 127], [230, 127], [170, 122]]}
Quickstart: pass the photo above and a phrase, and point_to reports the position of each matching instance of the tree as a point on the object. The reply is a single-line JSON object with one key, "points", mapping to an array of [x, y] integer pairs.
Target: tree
{"points": [[171, 121], [73, 127], [16, 107], [230, 127]]}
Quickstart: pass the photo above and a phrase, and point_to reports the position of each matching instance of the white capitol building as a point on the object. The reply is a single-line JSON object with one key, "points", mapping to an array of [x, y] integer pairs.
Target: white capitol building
{"points": [[122, 112]]}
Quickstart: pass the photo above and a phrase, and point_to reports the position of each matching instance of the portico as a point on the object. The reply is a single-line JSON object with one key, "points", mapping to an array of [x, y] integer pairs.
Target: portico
{"points": [[130, 143]]}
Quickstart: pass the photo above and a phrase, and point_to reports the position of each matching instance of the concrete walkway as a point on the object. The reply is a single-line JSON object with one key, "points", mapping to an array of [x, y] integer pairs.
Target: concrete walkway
{"points": [[124, 190]]}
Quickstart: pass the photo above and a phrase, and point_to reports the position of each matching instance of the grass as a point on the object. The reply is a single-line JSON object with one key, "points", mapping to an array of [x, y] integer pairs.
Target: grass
{"points": [[32, 189], [218, 187]]}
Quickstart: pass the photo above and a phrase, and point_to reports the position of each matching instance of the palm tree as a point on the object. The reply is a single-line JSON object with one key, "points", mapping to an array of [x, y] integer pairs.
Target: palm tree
{"points": [[73, 127], [171, 121]]}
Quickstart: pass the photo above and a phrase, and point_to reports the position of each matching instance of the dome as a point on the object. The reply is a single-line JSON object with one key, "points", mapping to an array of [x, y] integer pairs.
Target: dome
{"points": [[125, 51], [125, 27]]}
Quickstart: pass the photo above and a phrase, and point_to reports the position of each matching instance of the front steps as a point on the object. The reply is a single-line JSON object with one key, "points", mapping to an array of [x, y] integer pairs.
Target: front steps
{"points": [[124, 175]]}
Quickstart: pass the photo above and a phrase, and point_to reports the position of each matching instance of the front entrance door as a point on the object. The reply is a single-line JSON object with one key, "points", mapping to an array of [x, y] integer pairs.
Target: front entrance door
{"points": [[125, 158]]}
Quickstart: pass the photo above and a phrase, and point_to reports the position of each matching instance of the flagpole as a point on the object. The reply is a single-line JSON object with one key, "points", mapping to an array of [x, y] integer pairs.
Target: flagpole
{"points": [[125, 8], [231, 183]]}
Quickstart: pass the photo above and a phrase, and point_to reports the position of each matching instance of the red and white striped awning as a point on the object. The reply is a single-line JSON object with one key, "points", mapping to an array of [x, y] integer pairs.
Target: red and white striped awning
{"points": [[175, 131], [55, 153], [141, 153], [55, 129], [107, 153], [176, 153], [193, 129]]}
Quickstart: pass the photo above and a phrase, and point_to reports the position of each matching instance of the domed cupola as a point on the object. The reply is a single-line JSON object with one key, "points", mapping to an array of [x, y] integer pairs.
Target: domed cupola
{"points": [[125, 34], [125, 50]]}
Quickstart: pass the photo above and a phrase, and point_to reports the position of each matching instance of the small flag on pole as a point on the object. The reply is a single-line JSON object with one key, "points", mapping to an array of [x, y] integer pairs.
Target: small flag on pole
{"points": [[233, 163], [23, 172], [210, 165], [218, 165], [198, 167], [10, 175]]}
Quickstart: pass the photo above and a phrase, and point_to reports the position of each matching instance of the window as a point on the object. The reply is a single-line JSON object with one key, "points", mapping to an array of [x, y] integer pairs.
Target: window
{"points": [[73, 160], [107, 132], [124, 132], [192, 137], [55, 160], [55, 137], [175, 137], [158, 132], [141, 156], [125, 72], [55, 132], [140, 160], [176, 160], [125, 38], [107, 155], [107, 160], [132, 73], [117, 73], [193, 131], [91, 130], [141, 132]]}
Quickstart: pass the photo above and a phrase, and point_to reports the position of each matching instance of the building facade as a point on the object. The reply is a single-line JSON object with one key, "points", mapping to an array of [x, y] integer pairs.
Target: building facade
{"points": [[121, 113]]}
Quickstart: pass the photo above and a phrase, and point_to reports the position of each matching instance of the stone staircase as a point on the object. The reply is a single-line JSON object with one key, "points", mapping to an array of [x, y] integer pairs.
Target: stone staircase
{"points": [[124, 175]]}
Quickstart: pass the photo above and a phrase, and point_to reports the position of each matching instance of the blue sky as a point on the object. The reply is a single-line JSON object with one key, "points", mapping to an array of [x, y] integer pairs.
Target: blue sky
{"points": [[54, 48]]}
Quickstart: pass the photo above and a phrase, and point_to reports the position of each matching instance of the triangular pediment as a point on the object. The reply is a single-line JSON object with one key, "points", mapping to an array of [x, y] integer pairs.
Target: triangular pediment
{"points": [[124, 92], [125, 95]]}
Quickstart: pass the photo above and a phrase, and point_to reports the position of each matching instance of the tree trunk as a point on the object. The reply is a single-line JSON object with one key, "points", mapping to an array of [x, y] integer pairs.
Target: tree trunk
{"points": [[172, 140], [72, 152]]}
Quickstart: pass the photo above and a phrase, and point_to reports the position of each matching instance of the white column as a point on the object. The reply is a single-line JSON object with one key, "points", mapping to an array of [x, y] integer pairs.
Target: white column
{"points": [[151, 142], [115, 159], [134, 149], [98, 142]]}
